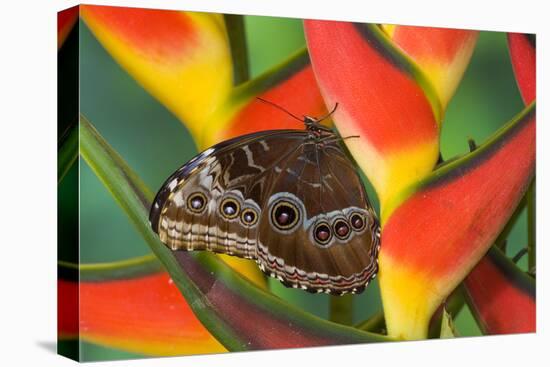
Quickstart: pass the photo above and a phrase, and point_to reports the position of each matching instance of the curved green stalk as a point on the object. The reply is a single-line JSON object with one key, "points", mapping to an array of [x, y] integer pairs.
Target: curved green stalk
{"points": [[234, 25], [531, 231], [67, 152], [376, 323], [114, 270]]}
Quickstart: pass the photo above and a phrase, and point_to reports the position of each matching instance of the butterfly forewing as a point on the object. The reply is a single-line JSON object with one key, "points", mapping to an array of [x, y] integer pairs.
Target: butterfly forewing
{"points": [[212, 202]]}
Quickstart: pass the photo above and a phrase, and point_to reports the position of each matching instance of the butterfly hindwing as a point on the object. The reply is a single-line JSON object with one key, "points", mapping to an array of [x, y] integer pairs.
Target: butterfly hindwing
{"points": [[319, 248]]}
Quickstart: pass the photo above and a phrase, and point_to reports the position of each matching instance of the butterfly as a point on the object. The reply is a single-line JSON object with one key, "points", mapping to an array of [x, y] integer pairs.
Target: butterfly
{"points": [[291, 200]]}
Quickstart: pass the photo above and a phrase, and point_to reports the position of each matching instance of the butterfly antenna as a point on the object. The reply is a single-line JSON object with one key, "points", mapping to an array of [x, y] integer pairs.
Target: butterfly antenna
{"points": [[351, 137], [280, 108], [328, 114]]}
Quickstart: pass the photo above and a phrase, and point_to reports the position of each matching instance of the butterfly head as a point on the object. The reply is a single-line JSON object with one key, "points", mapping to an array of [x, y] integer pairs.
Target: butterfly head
{"points": [[314, 126]]}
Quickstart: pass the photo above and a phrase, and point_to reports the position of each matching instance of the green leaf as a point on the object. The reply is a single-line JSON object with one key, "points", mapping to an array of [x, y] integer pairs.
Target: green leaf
{"points": [[240, 315]]}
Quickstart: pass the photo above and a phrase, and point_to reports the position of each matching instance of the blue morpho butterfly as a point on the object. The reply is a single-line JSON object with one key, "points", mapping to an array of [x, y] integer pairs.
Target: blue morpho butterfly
{"points": [[291, 200]]}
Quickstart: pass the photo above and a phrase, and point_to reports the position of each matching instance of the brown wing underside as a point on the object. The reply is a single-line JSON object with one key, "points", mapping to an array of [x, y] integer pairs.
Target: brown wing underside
{"points": [[325, 183], [322, 183], [240, 172]]}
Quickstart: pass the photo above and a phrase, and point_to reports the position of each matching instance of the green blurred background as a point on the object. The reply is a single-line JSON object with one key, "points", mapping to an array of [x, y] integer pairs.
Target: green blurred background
{"points": [[155, 143]]}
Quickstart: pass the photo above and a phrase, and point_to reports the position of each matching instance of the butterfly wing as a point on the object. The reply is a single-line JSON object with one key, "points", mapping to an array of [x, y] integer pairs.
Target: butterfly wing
{"points": [[270, 196], [213, 201], [318, 231]]}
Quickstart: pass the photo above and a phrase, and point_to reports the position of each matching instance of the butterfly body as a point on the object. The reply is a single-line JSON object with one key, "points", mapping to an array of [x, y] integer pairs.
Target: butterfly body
{"points": [[289, 199]]}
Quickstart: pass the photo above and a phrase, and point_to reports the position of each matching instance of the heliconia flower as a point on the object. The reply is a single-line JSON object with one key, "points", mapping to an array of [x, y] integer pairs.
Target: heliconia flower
{"points": [[501, 296], [144, 314], [495, 279], [442, 227], [392, 84], [66, 20], [182, 58], [436, 225], [523, 54], [442, 54], [383, 97]]}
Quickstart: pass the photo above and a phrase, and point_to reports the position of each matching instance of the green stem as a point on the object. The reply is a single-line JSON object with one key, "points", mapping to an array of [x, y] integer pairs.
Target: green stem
{"points": [[341, 309], [115, 270], [500, 241], [67, 152], [134, 197], [376, 323], [235, 27], [531, 219]]}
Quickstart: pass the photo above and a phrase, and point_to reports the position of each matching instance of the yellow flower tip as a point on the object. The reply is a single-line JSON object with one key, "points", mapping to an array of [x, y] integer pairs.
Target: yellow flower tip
{"points": [[446, 78], [408, 298], [389, 29], [441, 54], [404, 169], [182, 58], [392, 173]]}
